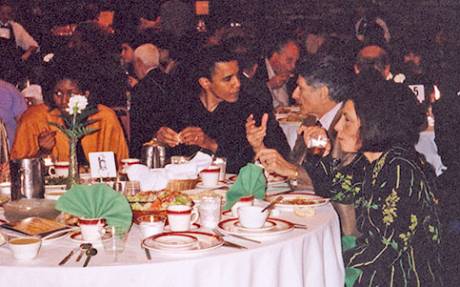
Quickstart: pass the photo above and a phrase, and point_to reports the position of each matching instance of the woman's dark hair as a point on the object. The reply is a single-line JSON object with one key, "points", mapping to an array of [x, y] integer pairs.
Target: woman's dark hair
{"points": [[328, 71], [389, 113], [59, 71]]}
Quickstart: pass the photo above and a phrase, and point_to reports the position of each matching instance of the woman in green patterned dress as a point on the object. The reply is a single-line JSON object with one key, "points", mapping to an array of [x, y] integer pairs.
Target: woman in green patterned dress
{"points": [[396, 208]]}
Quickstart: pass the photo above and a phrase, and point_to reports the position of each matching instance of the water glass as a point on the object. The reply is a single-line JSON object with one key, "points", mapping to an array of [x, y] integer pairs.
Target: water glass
{"points": [[222, 163], [116, 243], [209, 210], [132, 187]]}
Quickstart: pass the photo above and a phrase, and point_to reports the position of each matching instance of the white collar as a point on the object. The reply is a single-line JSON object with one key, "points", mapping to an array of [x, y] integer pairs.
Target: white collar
{"points": [[270, 71], [327, 118]]}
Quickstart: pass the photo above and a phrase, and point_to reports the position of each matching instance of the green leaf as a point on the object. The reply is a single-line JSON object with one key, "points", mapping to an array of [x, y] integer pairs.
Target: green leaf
{"points": [[351, 275], [348, 242]]}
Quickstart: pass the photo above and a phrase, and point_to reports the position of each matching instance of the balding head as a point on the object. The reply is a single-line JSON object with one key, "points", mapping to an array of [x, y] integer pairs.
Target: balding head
{"points": [[146, 57], [373, 57]]}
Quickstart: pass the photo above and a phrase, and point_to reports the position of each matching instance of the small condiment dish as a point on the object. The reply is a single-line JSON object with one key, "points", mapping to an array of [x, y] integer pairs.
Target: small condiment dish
{"points": [[25, 248]]}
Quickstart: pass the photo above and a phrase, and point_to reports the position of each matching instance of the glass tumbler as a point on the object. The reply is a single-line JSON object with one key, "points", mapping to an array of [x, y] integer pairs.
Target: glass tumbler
{"points": [[210, 210]]}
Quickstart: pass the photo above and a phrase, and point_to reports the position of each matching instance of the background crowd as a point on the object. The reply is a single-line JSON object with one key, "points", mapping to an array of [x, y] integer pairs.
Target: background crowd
{"points": [[155, 73]]}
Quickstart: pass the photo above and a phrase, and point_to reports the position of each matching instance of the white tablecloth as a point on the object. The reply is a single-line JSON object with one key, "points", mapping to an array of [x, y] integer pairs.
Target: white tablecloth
{"points": [[309, 257]]}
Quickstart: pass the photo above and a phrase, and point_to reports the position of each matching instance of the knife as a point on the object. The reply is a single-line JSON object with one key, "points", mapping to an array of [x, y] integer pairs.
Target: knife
{"points": [[147, 254], [234, 245], [65, 259]]}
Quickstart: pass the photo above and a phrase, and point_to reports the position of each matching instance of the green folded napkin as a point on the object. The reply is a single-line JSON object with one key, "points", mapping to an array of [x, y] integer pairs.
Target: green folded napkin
{"points": [[97, 201], [250, 181]]}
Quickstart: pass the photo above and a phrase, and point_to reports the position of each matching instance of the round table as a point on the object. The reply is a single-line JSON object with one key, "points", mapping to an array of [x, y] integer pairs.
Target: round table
{"points": [[310, 257]]}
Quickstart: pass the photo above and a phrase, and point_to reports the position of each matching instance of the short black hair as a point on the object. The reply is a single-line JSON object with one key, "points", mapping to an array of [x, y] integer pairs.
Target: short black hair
{"points": [[276, 42], [373, 63], [244, 49], [328, 71], [388, 112]]}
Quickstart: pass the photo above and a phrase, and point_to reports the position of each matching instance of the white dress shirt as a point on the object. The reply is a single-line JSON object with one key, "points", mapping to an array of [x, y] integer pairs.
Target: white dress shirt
{"points": [[280, 96], [327, 118]]}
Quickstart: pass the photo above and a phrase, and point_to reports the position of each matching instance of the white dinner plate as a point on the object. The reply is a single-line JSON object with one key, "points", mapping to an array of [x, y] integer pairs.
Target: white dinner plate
{"points": [[205, 242], [293, 200], [281, 226]]}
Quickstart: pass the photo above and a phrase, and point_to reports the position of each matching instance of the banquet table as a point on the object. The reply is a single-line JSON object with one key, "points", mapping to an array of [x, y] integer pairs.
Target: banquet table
{"points": [[301, 257]]}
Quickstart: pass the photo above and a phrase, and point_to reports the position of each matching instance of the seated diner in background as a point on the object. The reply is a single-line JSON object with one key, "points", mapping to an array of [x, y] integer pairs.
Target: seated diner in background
{"points": [[36, 137]]}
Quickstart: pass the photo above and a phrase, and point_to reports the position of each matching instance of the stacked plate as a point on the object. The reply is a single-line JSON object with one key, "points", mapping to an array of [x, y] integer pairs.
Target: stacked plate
{"points": [[272, 227], [183, 243]]}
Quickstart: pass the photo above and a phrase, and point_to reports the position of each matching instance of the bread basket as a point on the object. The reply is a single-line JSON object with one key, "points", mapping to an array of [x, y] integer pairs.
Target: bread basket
{"points": [[181, 184]]}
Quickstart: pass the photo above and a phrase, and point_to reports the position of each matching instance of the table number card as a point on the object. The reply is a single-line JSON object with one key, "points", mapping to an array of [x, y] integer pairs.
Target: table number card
{"points": [[102, 164], [419, 91]]}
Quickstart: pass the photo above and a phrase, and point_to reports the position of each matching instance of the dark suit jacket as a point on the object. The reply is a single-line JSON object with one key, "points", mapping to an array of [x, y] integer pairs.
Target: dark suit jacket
{"points": [[151, 107], [262, 77]]}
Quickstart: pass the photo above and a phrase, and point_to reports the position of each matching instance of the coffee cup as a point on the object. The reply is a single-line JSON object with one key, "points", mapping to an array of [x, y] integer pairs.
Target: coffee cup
{"points": [[180, 217], [127, 162], [91, 228], [150, 225], [25, 248], [252, 216], [60, 169], [210, 176]]}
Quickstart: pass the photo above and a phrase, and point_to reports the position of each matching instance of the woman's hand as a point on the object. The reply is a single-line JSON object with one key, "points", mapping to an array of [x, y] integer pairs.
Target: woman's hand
{"points": [[273, 162], [315, 133], [256, 134]]}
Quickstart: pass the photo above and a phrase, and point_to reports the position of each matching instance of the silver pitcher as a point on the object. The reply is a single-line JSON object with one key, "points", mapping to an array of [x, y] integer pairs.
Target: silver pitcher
{"points": [[153, 154], [27, 178]]}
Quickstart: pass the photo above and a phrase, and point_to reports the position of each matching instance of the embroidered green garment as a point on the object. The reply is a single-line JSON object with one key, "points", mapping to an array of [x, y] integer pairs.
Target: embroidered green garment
{"points": [[397, 216]]}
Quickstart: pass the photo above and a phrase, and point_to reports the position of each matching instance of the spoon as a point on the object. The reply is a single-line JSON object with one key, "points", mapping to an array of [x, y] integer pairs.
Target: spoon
{"points": [[89, 253], [275, 201], [83, 248]]}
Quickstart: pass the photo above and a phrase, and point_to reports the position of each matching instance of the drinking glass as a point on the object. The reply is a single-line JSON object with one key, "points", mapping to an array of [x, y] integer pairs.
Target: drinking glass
{"points": [[132, 187], [116, 243], [317, 145], [222, 163], [209, 210]]}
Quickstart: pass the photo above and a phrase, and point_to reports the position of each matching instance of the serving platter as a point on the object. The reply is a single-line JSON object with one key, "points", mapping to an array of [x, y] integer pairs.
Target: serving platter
{"points": [[281, 226], [35, 226], [206, 242]]}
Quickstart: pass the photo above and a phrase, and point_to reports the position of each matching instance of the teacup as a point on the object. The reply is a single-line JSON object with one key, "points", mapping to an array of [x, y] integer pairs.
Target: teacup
{"points": [[150, 225], [25, 248], [252, 216], [210, 176], [180, 217], [91, 228], [60, 169], [128, 162]]}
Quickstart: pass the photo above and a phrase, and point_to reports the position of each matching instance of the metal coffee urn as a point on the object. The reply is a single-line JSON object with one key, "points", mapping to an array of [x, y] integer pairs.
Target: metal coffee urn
{"points": [[153, 154]]}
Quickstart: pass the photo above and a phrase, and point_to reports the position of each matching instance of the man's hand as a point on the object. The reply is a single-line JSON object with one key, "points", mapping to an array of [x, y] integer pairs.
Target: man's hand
{"points": [[168, 136], [315, 132], [26, 55], [256, 134], [278, 81], [274, 162], [196, 136], [46, 141]]}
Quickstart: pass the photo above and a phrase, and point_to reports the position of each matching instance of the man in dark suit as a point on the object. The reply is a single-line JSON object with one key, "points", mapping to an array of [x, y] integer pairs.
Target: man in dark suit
{"points": [[151, 104], [276, 70]]}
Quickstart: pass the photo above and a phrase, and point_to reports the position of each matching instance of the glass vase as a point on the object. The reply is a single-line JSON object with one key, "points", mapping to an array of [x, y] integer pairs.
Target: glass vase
{"points": [[74, 175]]}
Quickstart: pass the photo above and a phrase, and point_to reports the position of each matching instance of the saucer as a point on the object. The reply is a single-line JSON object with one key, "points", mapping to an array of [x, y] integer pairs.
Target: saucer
{"points": [[268, 225], [194, 226], [218, 185], [78, 238], [174, 240]]}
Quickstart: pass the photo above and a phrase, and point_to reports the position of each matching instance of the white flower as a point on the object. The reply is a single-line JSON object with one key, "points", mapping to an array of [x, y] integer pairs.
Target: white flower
{"points": [[399, 78], [77, 103]]}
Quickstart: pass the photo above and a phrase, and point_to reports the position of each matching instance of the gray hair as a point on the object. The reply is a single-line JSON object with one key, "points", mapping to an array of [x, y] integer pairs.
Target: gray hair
{"points": [[148, 54]]}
